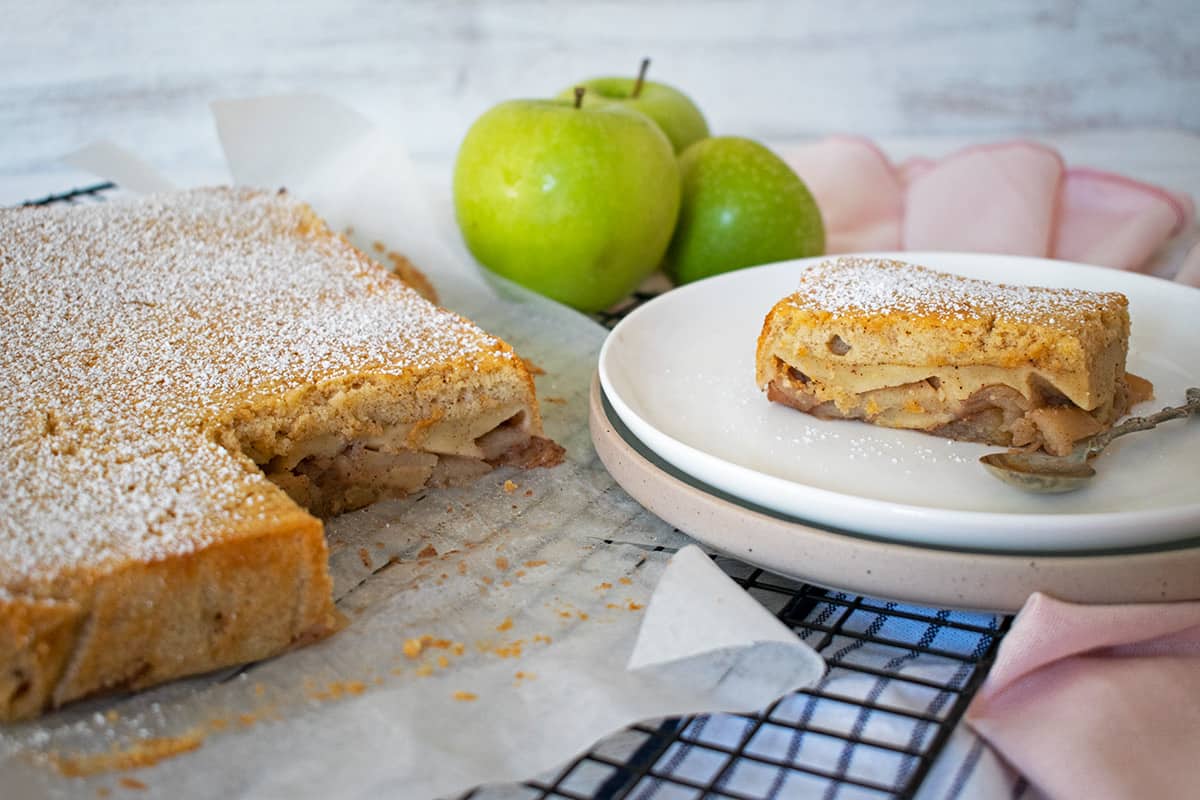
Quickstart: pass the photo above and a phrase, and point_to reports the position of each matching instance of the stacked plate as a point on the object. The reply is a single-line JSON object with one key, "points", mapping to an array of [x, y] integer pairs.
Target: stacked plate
{"points": [[678, 420]]}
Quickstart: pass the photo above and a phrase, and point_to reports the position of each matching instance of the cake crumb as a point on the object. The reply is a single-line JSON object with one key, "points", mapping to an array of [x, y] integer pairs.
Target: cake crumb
{"points": [[412, 648], [511, 650], [532, 564], [378, 246], [425, 670], [365, 557], [532, 368], [406, 271], [604, 586], [542, 638], [632, 606], [501, 563], [144, 753], [529, 492], [132, 783], [505, 625], [443, 662], [428, 551], [510, 486], [465, 697], [462, 568], [558, 401], [625, 582]]}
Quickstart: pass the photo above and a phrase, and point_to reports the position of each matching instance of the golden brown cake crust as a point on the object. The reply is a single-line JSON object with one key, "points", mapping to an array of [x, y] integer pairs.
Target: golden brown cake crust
{"points": [[158, 356]]}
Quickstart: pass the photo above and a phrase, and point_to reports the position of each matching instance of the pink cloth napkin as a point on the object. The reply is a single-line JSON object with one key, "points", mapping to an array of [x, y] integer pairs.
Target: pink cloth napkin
{"points": [[1012, 197], [1098, 702]]}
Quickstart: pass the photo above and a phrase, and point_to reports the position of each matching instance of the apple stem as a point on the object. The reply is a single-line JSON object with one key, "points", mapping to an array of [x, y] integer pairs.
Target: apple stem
{"points": [[637, 87], [579, 90]]}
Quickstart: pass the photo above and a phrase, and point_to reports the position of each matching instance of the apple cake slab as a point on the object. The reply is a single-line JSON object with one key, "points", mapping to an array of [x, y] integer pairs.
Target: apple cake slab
{"points": [[188, 382]]}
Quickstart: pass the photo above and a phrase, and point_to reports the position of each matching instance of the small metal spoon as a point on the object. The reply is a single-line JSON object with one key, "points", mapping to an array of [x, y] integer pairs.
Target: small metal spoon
{"points": [[1046, 474]]}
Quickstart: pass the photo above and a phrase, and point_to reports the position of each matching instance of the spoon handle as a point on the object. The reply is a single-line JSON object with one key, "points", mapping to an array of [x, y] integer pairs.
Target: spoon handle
{"points": [[1102, 440]]}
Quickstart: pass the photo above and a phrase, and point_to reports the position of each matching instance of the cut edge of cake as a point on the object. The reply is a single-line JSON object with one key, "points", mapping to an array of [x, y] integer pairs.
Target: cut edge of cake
{"points": [[252, 580]]}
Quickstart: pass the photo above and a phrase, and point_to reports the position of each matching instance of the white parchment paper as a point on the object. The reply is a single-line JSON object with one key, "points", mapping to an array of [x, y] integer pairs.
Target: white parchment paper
{"points": [[493, 630]]}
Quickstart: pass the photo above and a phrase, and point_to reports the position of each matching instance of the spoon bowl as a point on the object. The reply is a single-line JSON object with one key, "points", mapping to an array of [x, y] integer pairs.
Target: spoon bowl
{"points": [[1047, 474], [1038, 472]]}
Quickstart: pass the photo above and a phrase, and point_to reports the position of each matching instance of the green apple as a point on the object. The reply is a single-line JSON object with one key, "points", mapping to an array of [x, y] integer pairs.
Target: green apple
{"points": [[742, 205], [671, 109], [577, 203]]}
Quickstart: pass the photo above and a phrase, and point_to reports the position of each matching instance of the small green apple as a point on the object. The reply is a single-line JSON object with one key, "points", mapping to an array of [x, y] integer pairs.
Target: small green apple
{"points": [[577, 203], [671, 109], [742, 206]]}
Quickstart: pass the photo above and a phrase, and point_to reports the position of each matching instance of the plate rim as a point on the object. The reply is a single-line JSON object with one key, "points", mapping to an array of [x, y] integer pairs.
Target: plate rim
{"points": [[941, 520], [1021, 572]]}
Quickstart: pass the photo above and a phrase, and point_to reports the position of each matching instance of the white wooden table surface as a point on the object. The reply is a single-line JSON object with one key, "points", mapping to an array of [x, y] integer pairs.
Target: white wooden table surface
{"points": [[142, 72]]}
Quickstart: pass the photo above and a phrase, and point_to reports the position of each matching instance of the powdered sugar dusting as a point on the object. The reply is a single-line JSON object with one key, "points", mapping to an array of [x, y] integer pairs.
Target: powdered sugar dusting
{"points": [[127, 326], [871, 286]]}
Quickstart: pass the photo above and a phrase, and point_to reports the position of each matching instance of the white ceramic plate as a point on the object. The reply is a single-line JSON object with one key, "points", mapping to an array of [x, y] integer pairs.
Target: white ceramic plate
{"points": [[679, 372]]}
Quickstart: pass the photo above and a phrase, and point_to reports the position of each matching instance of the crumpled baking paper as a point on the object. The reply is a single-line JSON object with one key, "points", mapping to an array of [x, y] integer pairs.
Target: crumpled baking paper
{"points": [[697, 629], [493, 630]]}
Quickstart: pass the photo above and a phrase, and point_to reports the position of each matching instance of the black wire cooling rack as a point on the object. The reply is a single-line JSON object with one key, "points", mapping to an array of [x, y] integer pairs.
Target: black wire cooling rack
{"points": [[854, 692], [899, 680], [93, 193]]}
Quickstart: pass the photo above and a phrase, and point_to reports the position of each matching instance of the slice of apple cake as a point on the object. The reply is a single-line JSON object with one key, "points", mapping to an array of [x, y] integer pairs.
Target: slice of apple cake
{"points": [[902, 346]]}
